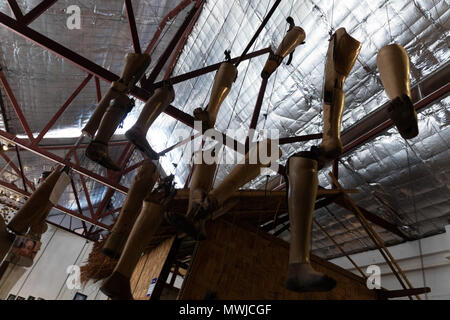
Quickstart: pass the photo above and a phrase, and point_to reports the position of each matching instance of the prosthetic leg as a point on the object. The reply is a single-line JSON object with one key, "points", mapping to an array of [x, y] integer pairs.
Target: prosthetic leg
{"points": [[293, 38], [97, 149], [302, 182], [117, 286], [245, 171], [342, 53], [393, 64], [135, 66], [33, 209], [223, 81], [143, 182], [158, 102]]}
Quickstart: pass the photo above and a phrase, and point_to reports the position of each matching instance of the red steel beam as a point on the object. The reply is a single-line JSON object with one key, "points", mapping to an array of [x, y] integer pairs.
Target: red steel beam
{"points": [[13, 188], [15, 104], [57, 159], [77, 200], [37, 11], [384, 123], [306, 137], [87, 65], [210, 68], [184, 37], [174, 12], [15, 9], [69, 230], [86, 192], [170, 48], [256, 111], [98, 90], [16, 170], [62, 109], [258, 31], [133, 29]]}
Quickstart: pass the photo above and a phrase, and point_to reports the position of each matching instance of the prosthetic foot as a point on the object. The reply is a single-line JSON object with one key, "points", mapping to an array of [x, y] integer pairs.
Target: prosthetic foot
{"points": [[35, 205], [143, 182], [158, 102], [117, 286], [301, 175], [245, 171], [341, 56], [97, 150], [135, 66], [293, 38], [223, 81], [393, 64]]}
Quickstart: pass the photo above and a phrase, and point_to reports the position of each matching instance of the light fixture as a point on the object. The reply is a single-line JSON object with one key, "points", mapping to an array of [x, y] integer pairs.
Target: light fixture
{"points": [[5, 147]]}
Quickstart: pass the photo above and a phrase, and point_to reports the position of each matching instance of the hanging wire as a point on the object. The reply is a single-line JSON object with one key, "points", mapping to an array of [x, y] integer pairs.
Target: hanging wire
{"points": [[413, 199], [388, 21]]}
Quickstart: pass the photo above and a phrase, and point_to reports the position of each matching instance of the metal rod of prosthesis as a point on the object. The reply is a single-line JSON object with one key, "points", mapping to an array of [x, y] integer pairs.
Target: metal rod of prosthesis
{"points": [[22, 173], [376, 239], [340, 248], [258, 31], [256, 112]]}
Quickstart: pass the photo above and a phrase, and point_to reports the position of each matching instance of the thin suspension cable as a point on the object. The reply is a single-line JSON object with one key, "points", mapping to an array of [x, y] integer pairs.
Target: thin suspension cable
{"points": [[413, 199]]}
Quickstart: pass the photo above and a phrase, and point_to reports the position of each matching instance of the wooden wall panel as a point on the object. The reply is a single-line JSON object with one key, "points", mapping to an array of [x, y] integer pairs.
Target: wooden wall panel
{"points": [[238, 262], [149, 267]]}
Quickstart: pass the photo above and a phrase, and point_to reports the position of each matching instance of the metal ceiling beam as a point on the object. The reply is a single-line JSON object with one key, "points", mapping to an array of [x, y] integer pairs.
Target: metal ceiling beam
{"points": [[133, 29], [15, 9], [57, 159], [15, 104], [174, 12], [89, 66], [37, 11], [183, 38], [433, 87], [15, 189], [61, 110]]}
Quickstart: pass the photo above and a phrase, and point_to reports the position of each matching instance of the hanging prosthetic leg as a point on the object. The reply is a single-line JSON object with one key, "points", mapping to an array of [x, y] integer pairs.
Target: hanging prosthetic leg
{"points": [[143, 182], [97, 149], [201, 183], [293, 38], [31, 241], [158, 102], [135, 66], [393, 64], [245, 171], [341, 56], [223, 80], [302, 183], [35, 205], [117, 286]]}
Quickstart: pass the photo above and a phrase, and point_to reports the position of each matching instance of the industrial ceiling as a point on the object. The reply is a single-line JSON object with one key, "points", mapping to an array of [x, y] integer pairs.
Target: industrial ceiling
{"points": [[404, 182]]}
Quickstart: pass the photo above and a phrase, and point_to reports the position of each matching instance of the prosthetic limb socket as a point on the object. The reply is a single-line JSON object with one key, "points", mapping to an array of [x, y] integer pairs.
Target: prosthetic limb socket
{"points": [[144, 181], [293, 38], [154, 106], [341, 56], [393, 64]]}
